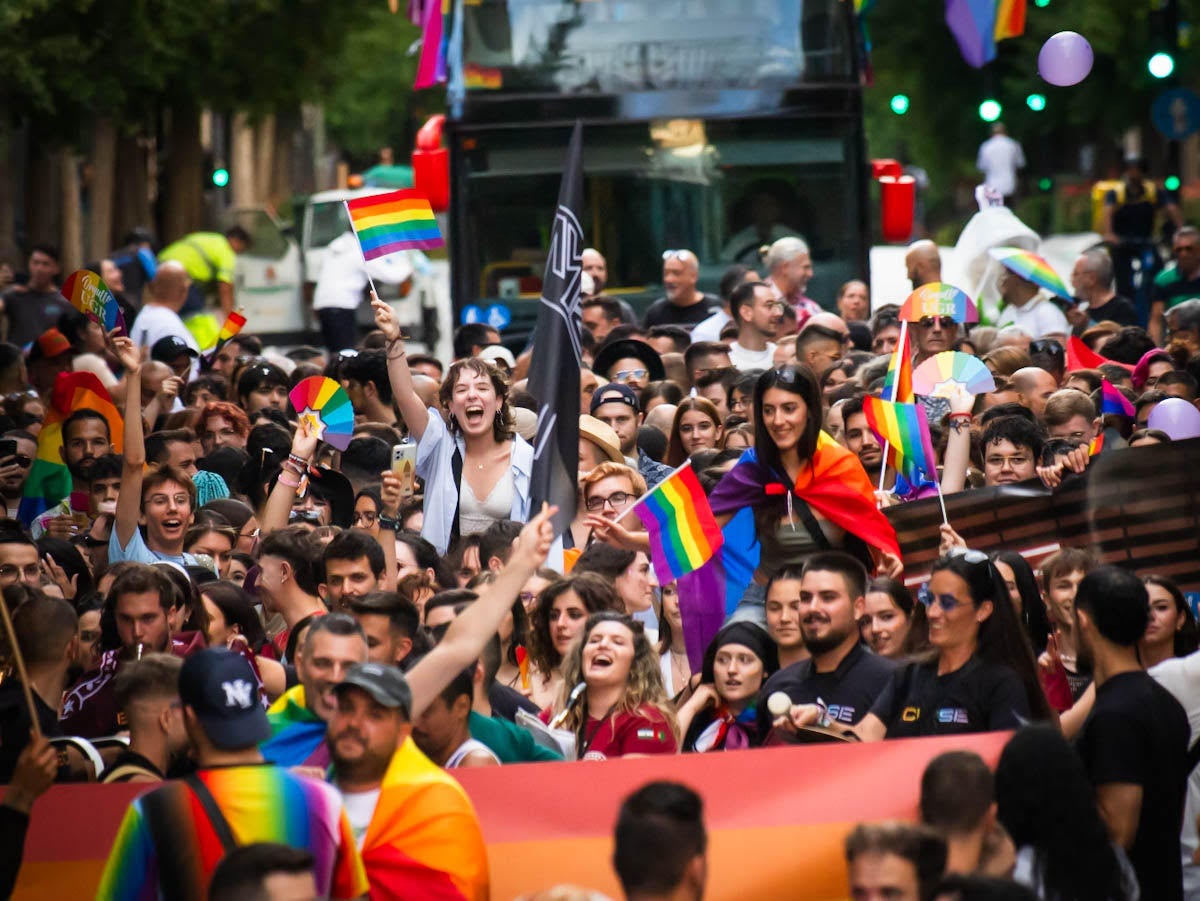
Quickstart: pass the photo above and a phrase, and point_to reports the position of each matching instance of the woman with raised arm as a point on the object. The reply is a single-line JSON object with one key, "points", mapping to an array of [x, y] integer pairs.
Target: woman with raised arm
{"points": [[162, 498], [476, 469]]}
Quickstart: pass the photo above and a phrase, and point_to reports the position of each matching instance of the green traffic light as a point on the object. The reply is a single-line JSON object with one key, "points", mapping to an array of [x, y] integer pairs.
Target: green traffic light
{"points": [[1036, 102], [1045, 184], [990, 110], [1171, 183], [1041, 3], [220, 177], [1161, 65], [899, 104]]}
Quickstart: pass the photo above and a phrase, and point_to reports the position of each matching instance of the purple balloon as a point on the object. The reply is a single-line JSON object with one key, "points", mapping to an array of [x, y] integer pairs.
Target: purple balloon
{"points": [[1065, 59], [1176, 417]]}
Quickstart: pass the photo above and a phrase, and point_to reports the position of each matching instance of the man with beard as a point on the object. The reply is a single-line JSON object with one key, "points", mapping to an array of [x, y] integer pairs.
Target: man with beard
{"points": [[858, 438], [139, 605], [86, 437], [1135, 742], [14, 470], [414, 824], [843, 674]]}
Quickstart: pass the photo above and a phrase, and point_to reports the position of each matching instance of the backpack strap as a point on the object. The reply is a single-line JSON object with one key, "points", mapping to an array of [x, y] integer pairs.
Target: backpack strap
{"points": [[215, 817]]}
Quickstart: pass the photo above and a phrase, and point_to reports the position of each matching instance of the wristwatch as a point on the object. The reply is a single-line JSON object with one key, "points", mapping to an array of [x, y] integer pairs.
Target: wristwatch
{"points": [[387, 523]]}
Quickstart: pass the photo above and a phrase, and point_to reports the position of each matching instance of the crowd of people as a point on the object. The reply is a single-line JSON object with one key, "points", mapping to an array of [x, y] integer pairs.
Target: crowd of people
{"points": [[295, 646]]}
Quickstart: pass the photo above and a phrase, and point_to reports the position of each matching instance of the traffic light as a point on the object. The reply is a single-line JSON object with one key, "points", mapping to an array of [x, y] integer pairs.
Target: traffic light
{"points": [[1171, 183], [1161, 64], [220, 177], [990, 110], [1045, 184], [899, 104], [1041, 4], [1036, 102]]}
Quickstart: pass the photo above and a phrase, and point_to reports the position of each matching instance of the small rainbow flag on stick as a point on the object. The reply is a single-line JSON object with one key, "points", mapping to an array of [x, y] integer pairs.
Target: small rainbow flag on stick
{"points": [[389, 223], [234, 323], [906, 430], [683, 531], [897, 382]]}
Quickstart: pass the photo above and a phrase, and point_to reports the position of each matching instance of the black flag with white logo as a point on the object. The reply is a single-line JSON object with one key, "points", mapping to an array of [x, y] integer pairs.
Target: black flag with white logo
{"points": [[554, 369]]}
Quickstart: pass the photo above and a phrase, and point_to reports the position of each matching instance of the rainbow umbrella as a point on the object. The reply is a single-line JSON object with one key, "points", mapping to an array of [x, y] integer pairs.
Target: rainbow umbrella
{"points": [[1031, 267]]}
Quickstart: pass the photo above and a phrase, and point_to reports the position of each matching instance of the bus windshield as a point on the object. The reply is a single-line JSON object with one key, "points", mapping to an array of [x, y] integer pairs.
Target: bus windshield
{"points": [[615, 46], [721, 188]]}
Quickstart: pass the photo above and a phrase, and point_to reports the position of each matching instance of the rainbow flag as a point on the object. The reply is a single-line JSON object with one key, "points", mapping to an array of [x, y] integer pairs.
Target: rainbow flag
{"points": [[1112, 401], [424, 839], [897, 382], [49, 480], [683, 532], [389, 223], [431, 66], [233, 324], [1010, 19], [1080, 356], [906, 430], [1096, 446]]}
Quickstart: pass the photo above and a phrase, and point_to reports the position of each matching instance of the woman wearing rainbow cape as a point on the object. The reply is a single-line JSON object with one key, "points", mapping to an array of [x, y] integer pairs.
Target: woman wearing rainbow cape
{"points": [[796, 492]]}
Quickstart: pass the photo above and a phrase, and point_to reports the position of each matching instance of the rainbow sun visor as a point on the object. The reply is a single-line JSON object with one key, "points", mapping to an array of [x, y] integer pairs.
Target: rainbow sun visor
{"points": [[326, 407], [944, 374], [392, 222], [1031, 267], [939, 299]]}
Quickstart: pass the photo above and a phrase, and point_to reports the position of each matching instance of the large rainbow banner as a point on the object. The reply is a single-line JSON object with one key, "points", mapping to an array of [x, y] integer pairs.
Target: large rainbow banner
{"points": [[776, 817]]}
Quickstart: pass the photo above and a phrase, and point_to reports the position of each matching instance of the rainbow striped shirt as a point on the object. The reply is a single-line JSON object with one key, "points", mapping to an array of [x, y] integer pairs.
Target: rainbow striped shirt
{"points": [[166, 837]]}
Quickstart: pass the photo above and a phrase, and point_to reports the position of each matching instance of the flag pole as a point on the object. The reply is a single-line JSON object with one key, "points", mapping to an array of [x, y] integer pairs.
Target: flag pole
{"points": [[361, 252], [901, 345], [649, 491], [937, 482]]}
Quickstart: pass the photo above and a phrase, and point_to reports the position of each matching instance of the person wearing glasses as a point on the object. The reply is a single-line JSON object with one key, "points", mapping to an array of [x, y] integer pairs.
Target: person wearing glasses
{"points": [[982, 676], [1177, 283], [628, 361], [1093, 283], [682, 302], [1183, 327], [758, 315]]}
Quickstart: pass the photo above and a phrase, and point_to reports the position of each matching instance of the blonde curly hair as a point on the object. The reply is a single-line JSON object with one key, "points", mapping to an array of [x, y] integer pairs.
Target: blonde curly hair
{"points": [[643, 686]]}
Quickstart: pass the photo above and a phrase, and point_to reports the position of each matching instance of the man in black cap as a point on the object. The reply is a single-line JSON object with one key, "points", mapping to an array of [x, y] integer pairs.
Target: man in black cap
{"points": [[408, 815], [176, 353], [617, 406], [173, 837], [629, 362]]}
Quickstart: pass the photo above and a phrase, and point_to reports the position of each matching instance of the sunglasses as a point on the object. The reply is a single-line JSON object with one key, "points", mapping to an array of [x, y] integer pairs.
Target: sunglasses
{"points": [[948, 602], [1046, 346], [625, 375], [21, 460], [685, 255], [945, 322]]}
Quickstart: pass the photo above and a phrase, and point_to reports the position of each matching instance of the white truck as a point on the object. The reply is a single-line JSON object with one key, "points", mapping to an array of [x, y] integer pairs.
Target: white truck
{"points": [[274, 280]]}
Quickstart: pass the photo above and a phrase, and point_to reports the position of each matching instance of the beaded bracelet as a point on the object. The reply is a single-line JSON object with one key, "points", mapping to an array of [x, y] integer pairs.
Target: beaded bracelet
{"points": [[283, 481]]}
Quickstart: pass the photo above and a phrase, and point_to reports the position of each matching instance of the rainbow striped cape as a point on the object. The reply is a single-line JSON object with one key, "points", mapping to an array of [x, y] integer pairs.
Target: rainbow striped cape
{"points": [[49, 480], [424, 840]]}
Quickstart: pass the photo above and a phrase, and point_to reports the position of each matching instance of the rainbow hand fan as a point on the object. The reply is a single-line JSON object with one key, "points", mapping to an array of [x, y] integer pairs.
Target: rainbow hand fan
{"points": [[326, 407], [948, 373], [90, 296]]}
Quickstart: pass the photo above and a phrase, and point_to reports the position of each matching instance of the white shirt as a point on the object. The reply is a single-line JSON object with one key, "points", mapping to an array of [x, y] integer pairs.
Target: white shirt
{"points": [[999, 159], [710, 329], [343, 275], [1181, 677], [1039, 317], [470, 746], [745, 360], [155, 322], [360, 807]]}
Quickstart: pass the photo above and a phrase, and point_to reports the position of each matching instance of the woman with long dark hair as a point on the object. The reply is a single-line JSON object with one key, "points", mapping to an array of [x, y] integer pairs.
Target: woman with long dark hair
{"points": [[1171, 631], [1023, 592], [804, 492], [897, 626], [980, 676], [1047, 804]]}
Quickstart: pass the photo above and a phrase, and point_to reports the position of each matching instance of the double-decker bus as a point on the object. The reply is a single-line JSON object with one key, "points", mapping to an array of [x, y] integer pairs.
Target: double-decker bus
{"points": [[713, 125]]}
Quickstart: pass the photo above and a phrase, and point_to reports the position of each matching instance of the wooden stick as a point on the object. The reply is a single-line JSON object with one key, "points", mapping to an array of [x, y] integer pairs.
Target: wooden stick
{"points": [[19, 660]]}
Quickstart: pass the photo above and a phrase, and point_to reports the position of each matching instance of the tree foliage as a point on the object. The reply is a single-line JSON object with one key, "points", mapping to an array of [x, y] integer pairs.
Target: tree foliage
{"points": [[915, 54]]}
